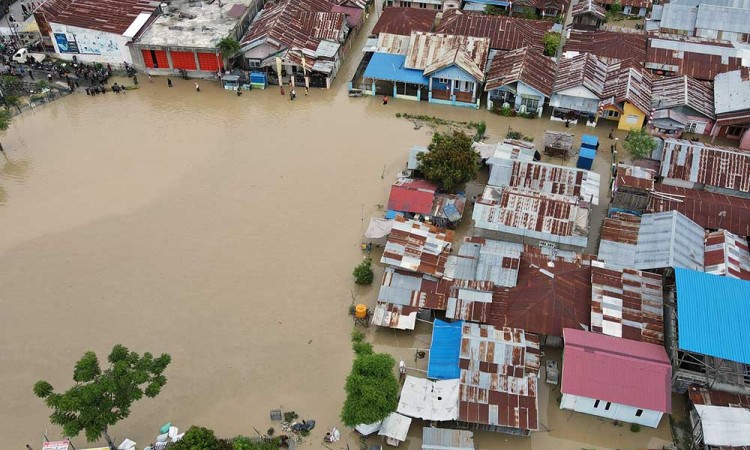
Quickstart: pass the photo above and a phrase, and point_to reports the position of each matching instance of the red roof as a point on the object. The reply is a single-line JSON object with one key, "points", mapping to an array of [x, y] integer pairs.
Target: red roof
{"points": [[412, 196], [111, 16], [612, 369], [404, 21]]}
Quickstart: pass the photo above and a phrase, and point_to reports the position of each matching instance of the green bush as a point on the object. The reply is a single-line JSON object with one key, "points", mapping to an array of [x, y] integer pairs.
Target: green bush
{"points": [[363, 273], [551, 42], [506, 111], [634, 427]]}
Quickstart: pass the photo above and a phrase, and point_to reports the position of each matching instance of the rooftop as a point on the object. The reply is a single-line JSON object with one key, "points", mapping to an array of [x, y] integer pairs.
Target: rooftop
{"points": [[412, 196], [507, 150], [631, 373], [708, 209], [527, 65], [628, 83], [417, 247], [540, 215], [627, 303], [110, 16], [588, 7], [725, 420], [551, 294], [194, 24], [485, 260], [732, 96], [701, 59], [404, 21], [445, 350], [446, 439], [429, 400], [619, 240], [583, 70], [634, 177], [433, 52], [669, 239], [712, 315], [727, 255], [633, 3], [499, 383], [706, 164], [504, 33], [675, 92], [609, 45]]}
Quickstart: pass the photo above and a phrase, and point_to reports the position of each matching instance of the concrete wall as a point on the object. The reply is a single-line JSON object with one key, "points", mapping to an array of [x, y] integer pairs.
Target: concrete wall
{"points": [[89, 45], [615, 411], [628, 112]]}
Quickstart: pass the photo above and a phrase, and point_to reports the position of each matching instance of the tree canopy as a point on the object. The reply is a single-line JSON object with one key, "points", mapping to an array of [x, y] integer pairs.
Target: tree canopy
{"points": [[551, 41], [371, 387], [451, 160], [640, 144], [101, 398], [228, 47], [5, 118]]}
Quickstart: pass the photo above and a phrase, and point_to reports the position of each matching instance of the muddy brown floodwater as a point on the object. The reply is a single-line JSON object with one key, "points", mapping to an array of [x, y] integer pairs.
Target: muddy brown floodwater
{"points": [[221, 230]]}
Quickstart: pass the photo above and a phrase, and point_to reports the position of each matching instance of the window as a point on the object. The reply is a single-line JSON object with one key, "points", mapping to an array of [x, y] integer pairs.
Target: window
{"points": [[253, 63], [423, 5], [734, 131], [689, 128], [443, 80], [612, 114], [405, 4], [606, 407], [639, 413], [531, 103], [438, 7], [632, 119], [596, 404], [743, 37]]}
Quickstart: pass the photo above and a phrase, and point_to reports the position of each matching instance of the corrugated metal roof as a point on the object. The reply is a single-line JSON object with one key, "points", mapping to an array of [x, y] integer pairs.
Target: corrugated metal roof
{"points": [[445, 439], [631, 373], [509, 150], [417, 247], [627, 303], [727, 255], [669, 239], [394, 44], [634, 177], [628, 84], [404, 21], [610, 46], [701, 59], [527, 65], [505, 33], [619, 240], [732, 93], [588, 7], [485, 260], [549, 217], [429, 400], [707, 209], [707, 164], [553, 292], [395, 316], [412, 289], [583, 70], [110, 16], [412, 196], [448, 206], [712, 315], [432, 52], [499, 368], [715, 17], [673, 92], [679, 17], [549, 178], [701, 396], [724, 427]]}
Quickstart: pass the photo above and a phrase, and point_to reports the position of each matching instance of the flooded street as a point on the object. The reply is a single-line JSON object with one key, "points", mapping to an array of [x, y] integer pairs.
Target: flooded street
{"points": [[223, 231]]}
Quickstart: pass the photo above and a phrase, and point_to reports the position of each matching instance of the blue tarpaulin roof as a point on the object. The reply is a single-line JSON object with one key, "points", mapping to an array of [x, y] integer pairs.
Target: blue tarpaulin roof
{"points": [[589, 141], [713, 313], [388, 67], [445, 350], [587, 153], [489, 2]]}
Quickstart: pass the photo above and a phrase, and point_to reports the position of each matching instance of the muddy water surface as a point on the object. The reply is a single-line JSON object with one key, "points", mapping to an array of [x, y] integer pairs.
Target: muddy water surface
{"points": [[219, 229]]}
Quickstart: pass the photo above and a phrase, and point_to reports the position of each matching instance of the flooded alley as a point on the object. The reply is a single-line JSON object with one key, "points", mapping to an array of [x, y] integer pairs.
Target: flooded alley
{"points": [[219, 229]]}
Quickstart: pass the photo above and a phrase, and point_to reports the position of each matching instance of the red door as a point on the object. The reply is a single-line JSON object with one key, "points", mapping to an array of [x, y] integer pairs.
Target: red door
{"points": [[183, 60], [210, 62]]}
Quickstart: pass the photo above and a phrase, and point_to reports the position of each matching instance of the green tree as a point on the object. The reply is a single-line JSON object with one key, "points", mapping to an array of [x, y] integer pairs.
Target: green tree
{"points": [[11, 85], [5, 118], [451, 160], [551, 42], [197, 438], [246, 443], [616, 8], [640, 144], [363, 272], [371, 387], [101, 398], [494, 10], [228, 47]]}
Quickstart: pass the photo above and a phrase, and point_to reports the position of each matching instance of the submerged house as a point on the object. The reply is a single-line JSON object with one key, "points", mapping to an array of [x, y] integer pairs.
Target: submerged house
{"points": [[720, 420], [682, 104], [304, 39], [727, 255], [588, 15], [618, 379], [705, 321], [412, 196], [626, 97], [732, 106], [521, 78], [579, 84], [417, 247]]}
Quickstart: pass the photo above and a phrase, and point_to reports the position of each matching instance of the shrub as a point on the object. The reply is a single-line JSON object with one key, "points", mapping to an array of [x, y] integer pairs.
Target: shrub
{"points": [[363, 272], [634, 427]]}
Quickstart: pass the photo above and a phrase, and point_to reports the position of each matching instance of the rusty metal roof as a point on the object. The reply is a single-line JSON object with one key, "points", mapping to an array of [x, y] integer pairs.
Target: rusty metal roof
{"points": [[433, 52], [549, 178], [727, 255], [499, 377], [702, 396], [610, 46], [111, 16], [667, 93], [417, 247], [707, 209], [583, 70], [548, 297], [626, 83], [395, 316], [634, 177], [527, 65], [400, 287], [549, 217], [404, 21], [505, 33], [627, 303], [707, 164], [701, 59], [732, 100], [588, 7], [395, 44], [619, 240]]}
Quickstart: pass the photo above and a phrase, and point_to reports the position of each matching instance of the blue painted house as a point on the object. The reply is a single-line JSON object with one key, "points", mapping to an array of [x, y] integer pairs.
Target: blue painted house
{"points": [[522, 79]]}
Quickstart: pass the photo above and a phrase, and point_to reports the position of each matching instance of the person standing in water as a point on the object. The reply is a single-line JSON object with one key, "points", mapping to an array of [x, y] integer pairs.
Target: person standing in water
{"points": [[197, 87], [169, 82], [385, 100]]}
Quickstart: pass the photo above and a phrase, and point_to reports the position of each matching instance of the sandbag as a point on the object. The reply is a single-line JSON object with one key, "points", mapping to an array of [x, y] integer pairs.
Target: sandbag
{"points": [[178, 437], [127, 444], [173, 431], [165, 428], [162, 437]]}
